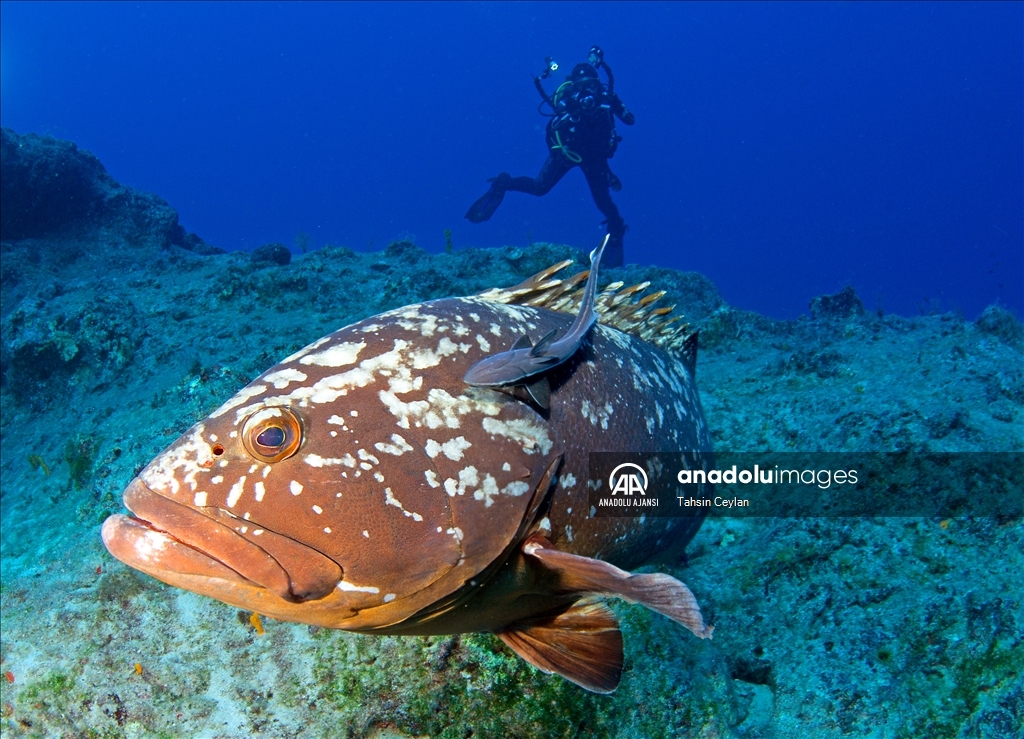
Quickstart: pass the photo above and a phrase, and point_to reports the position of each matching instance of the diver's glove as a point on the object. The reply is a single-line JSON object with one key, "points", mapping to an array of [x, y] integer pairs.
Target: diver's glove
{"points": [[627, 116]]}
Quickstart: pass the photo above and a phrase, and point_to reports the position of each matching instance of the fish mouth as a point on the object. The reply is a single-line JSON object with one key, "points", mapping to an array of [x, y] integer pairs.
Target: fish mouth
{"points": [[179, 544]]}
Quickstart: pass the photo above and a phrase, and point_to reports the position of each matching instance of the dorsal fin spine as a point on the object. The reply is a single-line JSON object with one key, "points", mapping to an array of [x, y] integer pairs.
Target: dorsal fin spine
{"points": [[615, 305]]}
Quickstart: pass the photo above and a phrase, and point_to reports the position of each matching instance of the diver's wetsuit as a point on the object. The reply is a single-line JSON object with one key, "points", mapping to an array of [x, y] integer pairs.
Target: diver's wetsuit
{"points": [[580, 134]]}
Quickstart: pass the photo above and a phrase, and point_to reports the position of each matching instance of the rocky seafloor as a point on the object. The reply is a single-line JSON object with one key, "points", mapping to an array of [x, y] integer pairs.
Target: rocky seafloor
{"points": [[119, 330]]}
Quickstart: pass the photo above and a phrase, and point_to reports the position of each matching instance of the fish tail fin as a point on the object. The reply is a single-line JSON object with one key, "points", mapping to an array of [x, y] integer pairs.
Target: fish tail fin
{"points": [[582, 644], [595, 255], [659, 592], [590, 318]]}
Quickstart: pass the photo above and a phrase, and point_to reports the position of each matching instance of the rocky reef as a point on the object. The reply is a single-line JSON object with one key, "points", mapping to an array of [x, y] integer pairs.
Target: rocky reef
{"points": [[119, 330], [50, 188]]}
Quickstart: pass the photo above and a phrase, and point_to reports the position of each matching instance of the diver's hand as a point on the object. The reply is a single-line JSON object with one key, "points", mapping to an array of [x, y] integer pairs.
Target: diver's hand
{"points": [[624, 114]]}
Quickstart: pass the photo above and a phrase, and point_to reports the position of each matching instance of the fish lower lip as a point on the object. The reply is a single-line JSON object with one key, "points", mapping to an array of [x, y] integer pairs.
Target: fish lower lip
{"points": [[167, 535]]}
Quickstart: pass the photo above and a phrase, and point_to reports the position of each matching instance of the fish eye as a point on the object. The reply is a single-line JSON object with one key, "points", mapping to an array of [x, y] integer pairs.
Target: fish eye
{"points": [[272, 434]]}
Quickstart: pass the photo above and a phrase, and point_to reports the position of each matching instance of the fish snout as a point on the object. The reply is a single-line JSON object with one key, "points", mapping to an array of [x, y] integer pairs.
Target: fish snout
{"points": [[154, 552]]}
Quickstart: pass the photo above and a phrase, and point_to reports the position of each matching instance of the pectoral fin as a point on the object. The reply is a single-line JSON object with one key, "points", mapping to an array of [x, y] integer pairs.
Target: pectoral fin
{"points": [[537, 392], [540, 392], [582, 644], [659, 592]]}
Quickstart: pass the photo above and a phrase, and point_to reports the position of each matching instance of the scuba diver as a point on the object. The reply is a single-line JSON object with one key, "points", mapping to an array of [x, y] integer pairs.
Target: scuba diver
{"points": [[580, 133]]}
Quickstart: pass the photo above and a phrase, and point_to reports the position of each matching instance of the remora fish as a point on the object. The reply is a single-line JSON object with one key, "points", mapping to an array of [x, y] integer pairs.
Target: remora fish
{"points": [[524, 360], [361, 485]]}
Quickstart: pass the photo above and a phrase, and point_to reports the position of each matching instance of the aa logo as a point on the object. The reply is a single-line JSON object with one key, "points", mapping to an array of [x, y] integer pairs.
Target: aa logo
{"points": [[628, 478]]}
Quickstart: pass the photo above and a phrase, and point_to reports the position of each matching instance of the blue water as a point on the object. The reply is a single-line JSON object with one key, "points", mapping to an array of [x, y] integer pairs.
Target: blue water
{"points": [[784, 150]]}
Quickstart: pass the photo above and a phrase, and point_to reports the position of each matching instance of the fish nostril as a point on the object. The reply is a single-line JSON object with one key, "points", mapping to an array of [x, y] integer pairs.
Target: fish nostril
{"points": [[218, 450]]}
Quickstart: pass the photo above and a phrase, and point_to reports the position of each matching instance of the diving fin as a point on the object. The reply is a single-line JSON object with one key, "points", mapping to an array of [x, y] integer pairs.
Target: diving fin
{"points": [[484, 207], [582, 644]]}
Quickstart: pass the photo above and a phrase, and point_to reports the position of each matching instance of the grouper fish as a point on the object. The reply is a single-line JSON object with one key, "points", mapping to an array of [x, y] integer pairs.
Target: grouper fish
{"points": [[361, 484]]}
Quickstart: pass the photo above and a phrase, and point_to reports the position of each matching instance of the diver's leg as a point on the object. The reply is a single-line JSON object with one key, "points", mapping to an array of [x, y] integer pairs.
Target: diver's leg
{"points": [[553, 169], [598, 180], [614, 182]]}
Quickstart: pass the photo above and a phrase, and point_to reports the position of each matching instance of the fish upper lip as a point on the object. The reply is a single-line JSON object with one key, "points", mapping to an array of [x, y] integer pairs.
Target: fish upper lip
{"points": [[289, 569], [145, 547]]}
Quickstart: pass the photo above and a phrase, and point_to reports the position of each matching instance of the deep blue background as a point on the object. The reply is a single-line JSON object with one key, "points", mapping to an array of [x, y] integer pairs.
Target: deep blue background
{"points": [[784, 150]]}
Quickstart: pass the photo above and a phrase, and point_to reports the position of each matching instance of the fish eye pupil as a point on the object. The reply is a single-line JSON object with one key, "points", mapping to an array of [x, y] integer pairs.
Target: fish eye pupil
{"points": [[271, 436]]}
